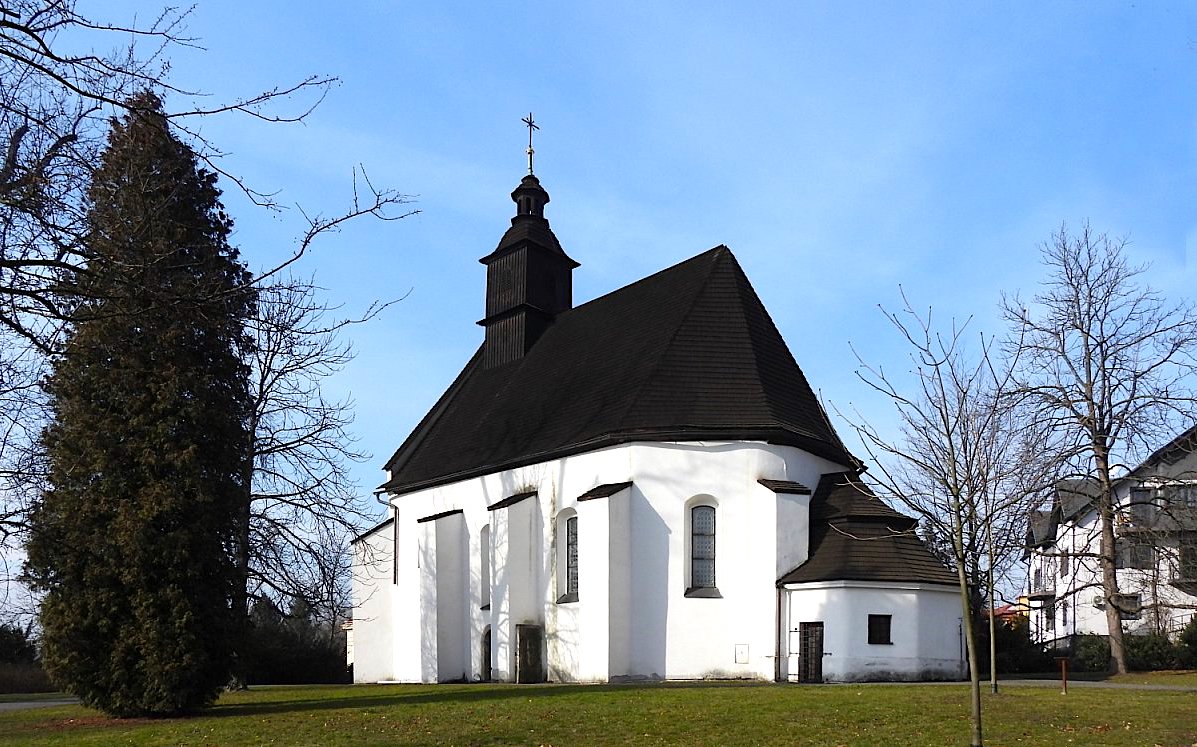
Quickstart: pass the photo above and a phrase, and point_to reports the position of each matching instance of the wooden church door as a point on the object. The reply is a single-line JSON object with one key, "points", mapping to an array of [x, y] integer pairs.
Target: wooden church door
{"points": [[810, 652]]}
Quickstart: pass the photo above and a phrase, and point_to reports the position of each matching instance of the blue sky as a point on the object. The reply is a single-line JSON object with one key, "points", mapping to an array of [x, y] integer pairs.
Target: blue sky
{"points": [[840, 149]]}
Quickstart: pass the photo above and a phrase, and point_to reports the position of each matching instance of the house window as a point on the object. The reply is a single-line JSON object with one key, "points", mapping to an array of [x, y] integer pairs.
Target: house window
{"points": [[1063, 565], [1188, 556], [1064, 615], [1135, 555], [1049, 616], [702, 551], [484, 581], [1182, 496], [1130, 606], [879, 629], [567, 556]]}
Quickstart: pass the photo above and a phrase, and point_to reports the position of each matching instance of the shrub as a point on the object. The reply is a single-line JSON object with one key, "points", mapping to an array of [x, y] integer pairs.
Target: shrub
{"points": [[1151, 652], [1016, 652], [1090, 653], [293, 650], [1187, 644], [24, 678], [16, 645]]}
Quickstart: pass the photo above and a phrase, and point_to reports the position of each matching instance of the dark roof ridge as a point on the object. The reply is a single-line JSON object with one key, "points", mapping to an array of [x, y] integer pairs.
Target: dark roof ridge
{"points": [[670, 357], [715, 254], [756, 349], [649, 278]]}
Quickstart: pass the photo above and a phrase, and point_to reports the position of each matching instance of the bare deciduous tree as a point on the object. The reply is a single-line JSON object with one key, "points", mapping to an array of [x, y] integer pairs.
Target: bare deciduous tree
{"points": [[304, 506], [1107, 363], [962, 460], [57, 96]]}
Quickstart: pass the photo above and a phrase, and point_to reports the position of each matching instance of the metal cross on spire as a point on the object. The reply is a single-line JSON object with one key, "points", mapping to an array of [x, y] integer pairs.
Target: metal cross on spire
{"points": [[531, 126]]}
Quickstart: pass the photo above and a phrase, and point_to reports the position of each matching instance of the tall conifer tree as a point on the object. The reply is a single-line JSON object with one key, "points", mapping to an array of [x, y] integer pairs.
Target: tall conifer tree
{"points": [[133, 540]]}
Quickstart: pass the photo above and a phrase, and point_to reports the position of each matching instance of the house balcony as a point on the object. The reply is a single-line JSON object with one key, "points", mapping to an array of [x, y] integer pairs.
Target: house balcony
{"points": [[1042, 590]]}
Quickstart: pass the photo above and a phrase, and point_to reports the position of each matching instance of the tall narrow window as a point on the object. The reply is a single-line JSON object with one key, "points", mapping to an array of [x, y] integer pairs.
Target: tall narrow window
{"points": [[702, 547], [567, 556], [571, 556], [484, 566]]}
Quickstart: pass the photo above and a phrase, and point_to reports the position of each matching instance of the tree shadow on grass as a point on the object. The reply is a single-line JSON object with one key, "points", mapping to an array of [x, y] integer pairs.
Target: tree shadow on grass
{"points": [[424, 694]]}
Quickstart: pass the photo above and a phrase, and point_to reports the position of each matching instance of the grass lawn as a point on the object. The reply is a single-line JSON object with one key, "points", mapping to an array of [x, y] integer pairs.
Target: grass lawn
{"points": [[681, 714]]}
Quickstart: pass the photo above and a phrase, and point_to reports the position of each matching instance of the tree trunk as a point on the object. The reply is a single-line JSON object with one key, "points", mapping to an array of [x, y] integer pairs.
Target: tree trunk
{"points": [[992, 622], [240, 677], [1109, 568], [970, 632], [974, 666]]}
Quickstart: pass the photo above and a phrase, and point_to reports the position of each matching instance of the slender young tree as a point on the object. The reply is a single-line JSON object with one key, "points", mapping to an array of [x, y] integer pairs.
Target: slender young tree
{"points": [[1107, 362], [962, 459], [132, 541]]}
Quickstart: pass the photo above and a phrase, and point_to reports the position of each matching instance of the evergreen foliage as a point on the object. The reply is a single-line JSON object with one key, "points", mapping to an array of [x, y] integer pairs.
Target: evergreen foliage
{"points": [[132, 541], [1188, 643], [1090, 653], [16, 645], [1017, 652], [293, 649], [1151, 652]]}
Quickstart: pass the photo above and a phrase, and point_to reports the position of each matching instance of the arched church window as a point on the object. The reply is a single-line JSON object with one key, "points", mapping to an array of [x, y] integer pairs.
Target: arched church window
{"points": [[567, 556], [702, 552]]}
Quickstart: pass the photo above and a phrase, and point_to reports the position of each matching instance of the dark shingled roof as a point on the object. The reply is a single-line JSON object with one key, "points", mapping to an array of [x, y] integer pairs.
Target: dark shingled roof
{"points": [[686, 354], [511, 500], [785, 486], [1173, 451], [856, 537], [1075, 495], [604, 491], [377, 527]]}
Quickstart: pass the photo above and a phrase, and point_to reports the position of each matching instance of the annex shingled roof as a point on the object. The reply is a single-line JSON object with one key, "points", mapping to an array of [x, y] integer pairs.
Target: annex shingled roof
{"points": [[856, 537], [1075, 495], [688, 353]]}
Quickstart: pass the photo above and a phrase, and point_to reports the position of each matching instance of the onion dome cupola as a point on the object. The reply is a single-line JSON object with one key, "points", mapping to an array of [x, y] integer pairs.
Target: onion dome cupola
{"points": [[528, 279]]}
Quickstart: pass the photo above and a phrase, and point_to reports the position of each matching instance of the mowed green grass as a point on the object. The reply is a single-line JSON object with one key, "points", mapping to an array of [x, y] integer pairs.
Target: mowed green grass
{"points": [[673, 714]]}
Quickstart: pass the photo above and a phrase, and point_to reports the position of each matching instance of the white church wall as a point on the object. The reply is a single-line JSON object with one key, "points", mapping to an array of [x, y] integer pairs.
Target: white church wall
{"points": [[427, 595], [372, 592], [793, 530], [452, 595], [633, 618], [690, 637], [619, 582], [925, 629], [407, 622]]}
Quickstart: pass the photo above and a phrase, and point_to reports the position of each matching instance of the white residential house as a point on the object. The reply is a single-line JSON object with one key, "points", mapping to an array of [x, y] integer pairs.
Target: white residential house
{"points": [[1156, 546], [642, 486]]}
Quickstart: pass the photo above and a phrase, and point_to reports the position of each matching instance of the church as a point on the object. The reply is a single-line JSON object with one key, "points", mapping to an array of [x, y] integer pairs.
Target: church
{"points": [[640, 487]]}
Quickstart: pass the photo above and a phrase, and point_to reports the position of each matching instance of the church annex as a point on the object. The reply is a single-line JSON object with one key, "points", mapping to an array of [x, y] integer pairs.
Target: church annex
{"points": [[641, 487]]}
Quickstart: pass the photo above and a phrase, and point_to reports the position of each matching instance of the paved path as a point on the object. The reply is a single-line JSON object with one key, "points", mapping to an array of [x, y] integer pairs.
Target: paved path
{"points": [[1096, 684], [19, 705], [1072, 684]]}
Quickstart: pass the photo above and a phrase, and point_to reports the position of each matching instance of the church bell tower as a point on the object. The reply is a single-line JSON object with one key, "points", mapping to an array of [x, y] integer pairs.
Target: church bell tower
{"points": [[528, 276]]}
